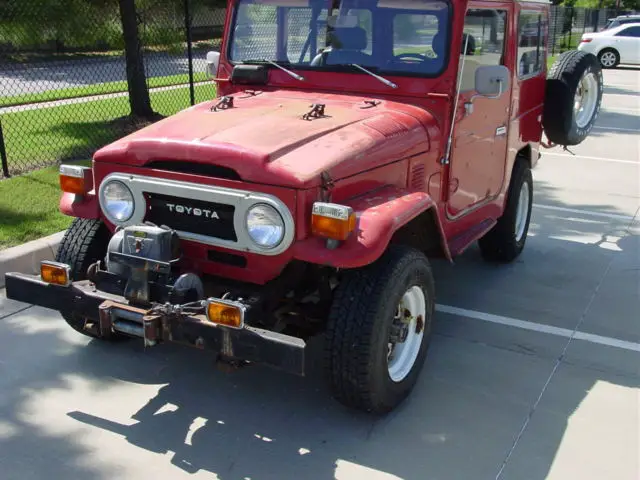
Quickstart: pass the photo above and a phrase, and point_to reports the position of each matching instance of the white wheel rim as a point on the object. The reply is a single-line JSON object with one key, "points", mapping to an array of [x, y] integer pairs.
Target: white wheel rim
{"points": [[522, 211], [608, 59], [402, 356], [584, 103]]}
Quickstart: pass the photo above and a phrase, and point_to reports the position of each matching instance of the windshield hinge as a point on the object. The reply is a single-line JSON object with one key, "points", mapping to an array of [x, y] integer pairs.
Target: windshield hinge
{"points": [[224, 103]]}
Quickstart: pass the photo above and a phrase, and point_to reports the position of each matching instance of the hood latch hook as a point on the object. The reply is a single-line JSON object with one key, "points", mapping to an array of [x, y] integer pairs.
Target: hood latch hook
{"points": [[317, 111]]}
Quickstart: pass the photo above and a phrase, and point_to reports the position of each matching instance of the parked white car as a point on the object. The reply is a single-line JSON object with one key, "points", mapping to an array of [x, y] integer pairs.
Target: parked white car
{"points": [[614, 46]]}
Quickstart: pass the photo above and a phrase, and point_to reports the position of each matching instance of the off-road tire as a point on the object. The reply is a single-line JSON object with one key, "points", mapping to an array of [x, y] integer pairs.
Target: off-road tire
{"points": [[563, 79], [500, 244], [84, 243], [609, 50], [358, 330]]}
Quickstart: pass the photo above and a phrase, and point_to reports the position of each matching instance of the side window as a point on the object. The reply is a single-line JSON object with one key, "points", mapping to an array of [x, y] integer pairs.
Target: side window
{"points": [[629, 32], [484, 38], [531, 43]]}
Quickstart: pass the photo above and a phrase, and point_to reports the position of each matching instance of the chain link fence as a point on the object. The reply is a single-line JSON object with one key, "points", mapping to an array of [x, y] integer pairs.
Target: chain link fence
{"points": [[63, 88]]}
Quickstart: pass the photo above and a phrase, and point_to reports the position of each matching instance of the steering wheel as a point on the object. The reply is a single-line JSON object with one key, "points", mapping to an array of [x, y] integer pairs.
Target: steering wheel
{"points": [[415, 56]]}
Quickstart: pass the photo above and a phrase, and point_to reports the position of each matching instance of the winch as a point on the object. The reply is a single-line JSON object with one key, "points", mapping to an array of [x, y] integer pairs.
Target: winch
{"points": [[149, 253]]}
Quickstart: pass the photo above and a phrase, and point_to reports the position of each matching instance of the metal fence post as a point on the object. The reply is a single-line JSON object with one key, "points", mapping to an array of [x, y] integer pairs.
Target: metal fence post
{"points": [[3, 154], [187, 26]]}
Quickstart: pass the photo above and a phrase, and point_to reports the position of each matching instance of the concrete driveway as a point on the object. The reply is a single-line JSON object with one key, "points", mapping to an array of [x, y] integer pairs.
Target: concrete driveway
{"points": [[534, 372]]}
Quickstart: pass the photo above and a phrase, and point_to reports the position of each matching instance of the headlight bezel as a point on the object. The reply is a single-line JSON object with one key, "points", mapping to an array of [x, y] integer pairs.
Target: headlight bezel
{"points": [[104, 205], [248, 230]]}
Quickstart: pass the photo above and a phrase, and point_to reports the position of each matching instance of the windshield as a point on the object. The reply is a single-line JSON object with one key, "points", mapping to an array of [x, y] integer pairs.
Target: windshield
{"points": [[403, 37]]}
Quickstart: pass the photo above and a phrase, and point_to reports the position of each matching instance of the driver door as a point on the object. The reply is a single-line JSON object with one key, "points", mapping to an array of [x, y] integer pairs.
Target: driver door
{"points": [[479, 144]]}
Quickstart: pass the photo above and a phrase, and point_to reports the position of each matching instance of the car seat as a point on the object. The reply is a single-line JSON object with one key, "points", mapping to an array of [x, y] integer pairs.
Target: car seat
{"points": [[346, 45]]}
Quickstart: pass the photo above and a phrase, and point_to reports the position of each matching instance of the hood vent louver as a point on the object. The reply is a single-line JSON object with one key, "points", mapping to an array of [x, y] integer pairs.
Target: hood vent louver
{"points": [[417, 180], [194, 168]]}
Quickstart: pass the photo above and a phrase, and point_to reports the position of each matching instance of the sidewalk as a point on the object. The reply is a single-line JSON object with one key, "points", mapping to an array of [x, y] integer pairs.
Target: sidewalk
{"points": [[26, 258]]}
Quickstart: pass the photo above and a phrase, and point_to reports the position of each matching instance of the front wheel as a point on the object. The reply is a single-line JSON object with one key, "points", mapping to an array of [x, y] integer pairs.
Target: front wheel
{"points": [[379, 330], [84, 243], [505, 241]]}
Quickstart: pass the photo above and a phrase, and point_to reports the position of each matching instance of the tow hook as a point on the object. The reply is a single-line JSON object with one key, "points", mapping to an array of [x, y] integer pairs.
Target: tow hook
{"points": [[229, 365]]}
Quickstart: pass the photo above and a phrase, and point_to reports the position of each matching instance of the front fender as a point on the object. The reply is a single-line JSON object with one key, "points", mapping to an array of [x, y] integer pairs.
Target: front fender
{"points": [[380, 214], [85, 206]]}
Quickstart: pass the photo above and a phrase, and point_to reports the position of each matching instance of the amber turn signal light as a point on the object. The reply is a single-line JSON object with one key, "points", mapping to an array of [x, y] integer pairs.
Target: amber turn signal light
{"points": [[56, 273], [330, 220], [75, 179], [222, 312]]}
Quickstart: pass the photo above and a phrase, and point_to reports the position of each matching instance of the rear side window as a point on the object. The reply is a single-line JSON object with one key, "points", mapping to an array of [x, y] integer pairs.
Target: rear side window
{"points": [[629, 32], [531, 43]]}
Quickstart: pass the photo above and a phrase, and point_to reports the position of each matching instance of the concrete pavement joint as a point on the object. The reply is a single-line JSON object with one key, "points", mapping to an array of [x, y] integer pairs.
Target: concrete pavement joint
{"points": [[2, 317], [560, 359]]}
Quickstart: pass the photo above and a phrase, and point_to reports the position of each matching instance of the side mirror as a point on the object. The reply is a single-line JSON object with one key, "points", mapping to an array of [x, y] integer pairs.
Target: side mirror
{"points": [[213, 60], [492, 81]]}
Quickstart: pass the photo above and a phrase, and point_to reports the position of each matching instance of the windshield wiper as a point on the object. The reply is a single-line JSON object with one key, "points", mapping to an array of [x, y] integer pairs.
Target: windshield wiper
{"points": [[389, 83], [293, 74]]}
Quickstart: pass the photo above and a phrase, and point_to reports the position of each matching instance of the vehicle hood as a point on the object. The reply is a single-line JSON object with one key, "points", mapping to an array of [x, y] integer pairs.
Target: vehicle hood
{"points": [[265, 137]]}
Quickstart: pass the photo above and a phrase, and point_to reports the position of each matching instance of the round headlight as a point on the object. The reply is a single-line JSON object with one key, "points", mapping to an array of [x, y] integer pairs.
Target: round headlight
{"points": [[265, 226], [117, 201]]}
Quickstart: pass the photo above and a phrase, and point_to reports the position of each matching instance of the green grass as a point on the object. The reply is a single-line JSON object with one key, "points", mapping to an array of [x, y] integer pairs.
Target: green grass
{"points": [[95, 89], [24, 220], [39, 137], [29, 203]]}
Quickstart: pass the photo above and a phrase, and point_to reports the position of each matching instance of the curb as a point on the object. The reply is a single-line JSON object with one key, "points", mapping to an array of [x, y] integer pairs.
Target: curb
{"points": [[26, 258]]}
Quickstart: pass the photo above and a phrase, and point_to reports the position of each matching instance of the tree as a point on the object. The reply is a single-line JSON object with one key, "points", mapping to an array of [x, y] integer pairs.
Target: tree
{"points": [[139, 99]]}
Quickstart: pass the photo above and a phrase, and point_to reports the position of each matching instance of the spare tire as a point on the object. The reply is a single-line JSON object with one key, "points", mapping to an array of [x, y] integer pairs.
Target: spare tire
{"points": [[573, 97]]}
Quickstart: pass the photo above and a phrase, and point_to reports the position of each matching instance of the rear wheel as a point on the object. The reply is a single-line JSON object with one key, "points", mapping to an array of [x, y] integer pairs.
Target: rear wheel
{"points": [[379, 330], [84, 243], [609, 58], [506, 240]]}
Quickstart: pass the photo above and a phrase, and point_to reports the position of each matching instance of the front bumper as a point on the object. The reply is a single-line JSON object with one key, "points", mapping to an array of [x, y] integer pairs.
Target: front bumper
{"points": [[107, 314]]}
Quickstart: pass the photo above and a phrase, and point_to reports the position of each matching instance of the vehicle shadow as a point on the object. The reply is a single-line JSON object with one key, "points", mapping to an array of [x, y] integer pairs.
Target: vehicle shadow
{"points": [[461, 421], [628, 67], [617, 121], [613, 90]]}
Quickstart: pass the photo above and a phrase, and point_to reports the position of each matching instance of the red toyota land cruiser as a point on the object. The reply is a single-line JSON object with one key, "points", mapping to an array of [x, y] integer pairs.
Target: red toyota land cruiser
{"points": [[350, 142]]}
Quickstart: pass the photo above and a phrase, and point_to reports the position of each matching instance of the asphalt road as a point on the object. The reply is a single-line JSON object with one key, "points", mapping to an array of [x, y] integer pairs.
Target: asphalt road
{"points": [[534, 371], [20, 79]]}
